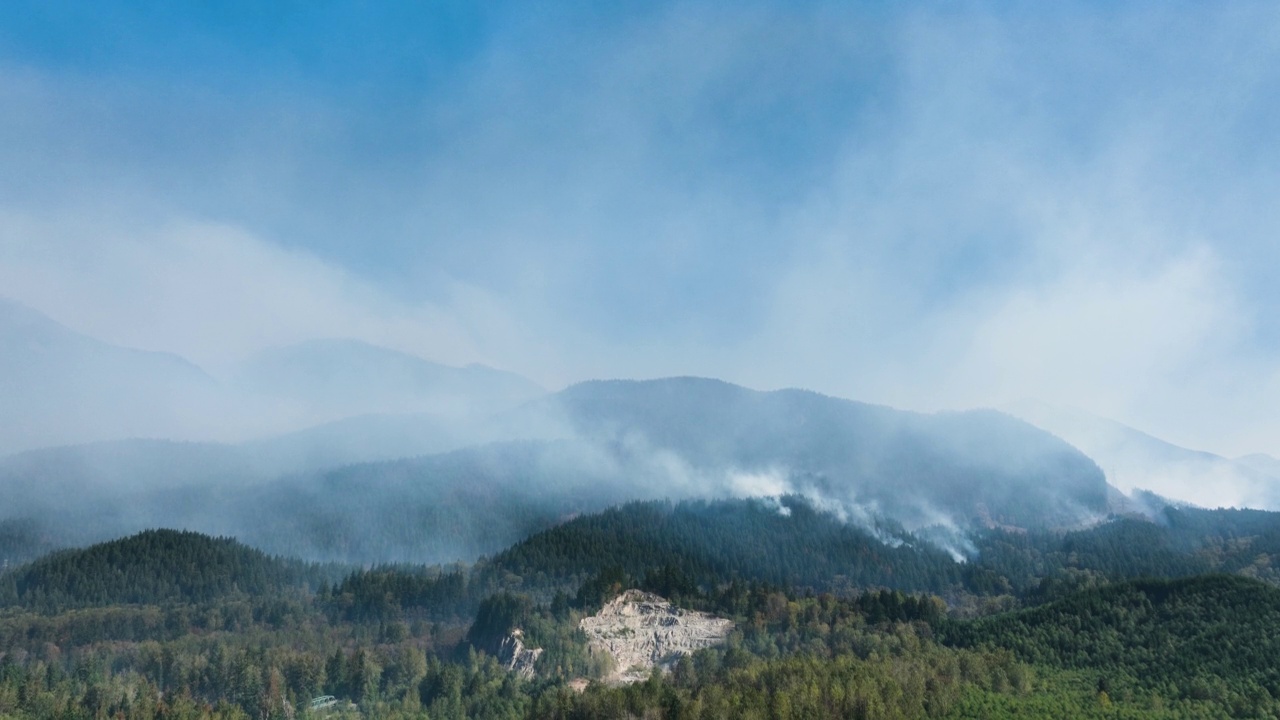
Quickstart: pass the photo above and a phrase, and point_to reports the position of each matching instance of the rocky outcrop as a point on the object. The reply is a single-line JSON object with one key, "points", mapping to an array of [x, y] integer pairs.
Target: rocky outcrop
{"points": [[517, 658], [641, 631]]}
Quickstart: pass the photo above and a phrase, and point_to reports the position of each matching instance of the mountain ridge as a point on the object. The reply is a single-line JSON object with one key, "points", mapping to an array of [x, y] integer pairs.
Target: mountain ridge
{"points": [[64, 387], [1136, 460], [335, 378]]}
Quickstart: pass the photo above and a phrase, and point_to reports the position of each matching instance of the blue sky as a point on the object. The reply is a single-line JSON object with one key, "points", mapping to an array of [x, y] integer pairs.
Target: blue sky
{"points": [[929, 205]]}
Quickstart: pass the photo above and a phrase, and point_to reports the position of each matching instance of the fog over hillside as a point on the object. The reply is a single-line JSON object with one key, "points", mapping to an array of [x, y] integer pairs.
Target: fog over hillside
{"points": [[61, 387], [336, 379], [65, 388], [354, 355], [338, 491], [417, 278], [417, 460], [1134, 460]]}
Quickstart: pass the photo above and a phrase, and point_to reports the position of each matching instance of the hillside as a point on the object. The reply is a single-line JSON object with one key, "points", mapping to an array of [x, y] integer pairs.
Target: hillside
{"points": [[787, 543], [249, 633], [62, 387], [436, 508], [641, 631], [955, 480], [333, 378], [1208, 637], [439, 508], [152, 567], [1262, 463], [1133, 459], [581, 450], [969, 468]]}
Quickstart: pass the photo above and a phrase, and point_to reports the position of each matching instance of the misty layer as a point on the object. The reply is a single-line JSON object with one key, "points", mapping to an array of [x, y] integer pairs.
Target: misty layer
{"points": [[581, 450]]}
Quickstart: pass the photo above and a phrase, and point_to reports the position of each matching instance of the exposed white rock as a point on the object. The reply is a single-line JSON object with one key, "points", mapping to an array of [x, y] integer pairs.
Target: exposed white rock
{"points": [[516, 657], [641, 631]]}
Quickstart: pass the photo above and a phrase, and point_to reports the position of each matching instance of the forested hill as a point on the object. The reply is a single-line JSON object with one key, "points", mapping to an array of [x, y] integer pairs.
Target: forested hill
{"points": [[264, 636], [1176, 542], [153, 567], [1212, 637], [981, 466], [695, 546], [582, 450], [679, 548], [785, 542], [790, 542]]}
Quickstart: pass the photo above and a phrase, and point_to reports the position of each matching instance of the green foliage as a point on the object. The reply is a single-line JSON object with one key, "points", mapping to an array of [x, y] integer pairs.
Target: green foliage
{"points": [[831, 623], [791, 544], [152, 567], [395, 592], [1204, 638], [1178, 542], [497, 617]]}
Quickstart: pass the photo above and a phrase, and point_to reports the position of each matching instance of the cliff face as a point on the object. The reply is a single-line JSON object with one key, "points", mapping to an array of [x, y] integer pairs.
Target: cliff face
{"points": [[516, 657], [641, 631]]}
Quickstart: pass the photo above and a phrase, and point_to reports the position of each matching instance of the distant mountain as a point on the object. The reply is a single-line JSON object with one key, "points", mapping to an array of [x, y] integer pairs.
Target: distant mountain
{"points": [[434, 508], [966, 468], [1262, 463], [61, 387], [332, 379], [364, 439], [22, 540], [1133, 459], [61, 477], [80, 494], [591, 446]]}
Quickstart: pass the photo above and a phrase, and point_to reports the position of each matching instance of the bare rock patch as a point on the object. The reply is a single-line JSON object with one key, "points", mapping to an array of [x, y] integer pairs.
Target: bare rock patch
{"points": [[641, 631]]}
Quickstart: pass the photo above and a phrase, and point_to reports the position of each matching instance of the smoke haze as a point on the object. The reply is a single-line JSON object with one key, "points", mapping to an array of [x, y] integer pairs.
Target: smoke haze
{"points": [[938, 207]]}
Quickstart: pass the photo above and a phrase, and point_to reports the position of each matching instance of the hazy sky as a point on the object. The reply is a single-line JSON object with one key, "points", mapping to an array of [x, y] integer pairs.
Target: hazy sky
{"points": [[928, 205]]}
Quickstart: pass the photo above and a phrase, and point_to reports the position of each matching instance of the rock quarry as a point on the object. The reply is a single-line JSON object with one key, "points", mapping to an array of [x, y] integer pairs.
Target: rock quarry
{"points": [[641, 631]]}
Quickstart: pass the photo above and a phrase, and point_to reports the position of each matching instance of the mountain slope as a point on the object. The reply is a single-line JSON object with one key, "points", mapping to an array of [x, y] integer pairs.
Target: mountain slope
{"points": [[677, 439], [786, 543], [88, 486], [61, 387], [1165, 634], [152, 567], [331, 379], [1133, 459], [950, 468], [1262, 463]]}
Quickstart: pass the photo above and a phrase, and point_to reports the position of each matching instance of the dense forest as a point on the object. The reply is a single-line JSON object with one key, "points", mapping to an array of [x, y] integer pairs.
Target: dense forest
{"points": [[833, 619], [1211, 637], [156, 567]]}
